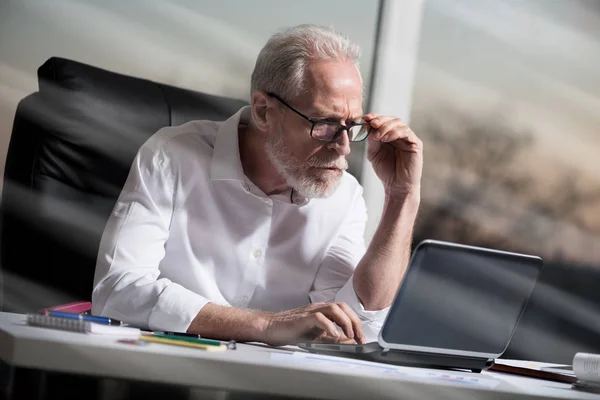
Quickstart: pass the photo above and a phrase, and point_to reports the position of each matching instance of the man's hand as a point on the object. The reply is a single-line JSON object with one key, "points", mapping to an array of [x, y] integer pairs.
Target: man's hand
{"points": [[396, 154], [314, 322]]}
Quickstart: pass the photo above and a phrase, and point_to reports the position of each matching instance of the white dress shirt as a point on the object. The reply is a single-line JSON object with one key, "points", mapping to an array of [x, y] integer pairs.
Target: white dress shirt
{"points": [[189, 228]]}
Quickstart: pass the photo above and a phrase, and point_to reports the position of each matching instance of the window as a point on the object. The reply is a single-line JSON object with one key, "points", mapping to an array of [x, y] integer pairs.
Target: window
{"points": [[507, 100]]}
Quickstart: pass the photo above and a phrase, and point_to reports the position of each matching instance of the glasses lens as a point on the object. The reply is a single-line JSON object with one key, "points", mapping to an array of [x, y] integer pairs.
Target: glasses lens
{"points": [[322, 131], [358, 132]]}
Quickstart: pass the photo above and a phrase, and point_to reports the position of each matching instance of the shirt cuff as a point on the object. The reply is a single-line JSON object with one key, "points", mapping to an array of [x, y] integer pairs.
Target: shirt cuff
{"points": [[372, 319], [175, 309]]}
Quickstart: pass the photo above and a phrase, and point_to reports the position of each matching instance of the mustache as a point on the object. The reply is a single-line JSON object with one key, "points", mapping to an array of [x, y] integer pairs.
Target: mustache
{"points": [[340, 163]]}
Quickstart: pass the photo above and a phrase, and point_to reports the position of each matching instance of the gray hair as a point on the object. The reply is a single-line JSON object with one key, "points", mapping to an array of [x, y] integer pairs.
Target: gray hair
{"points": [[281, 64]]}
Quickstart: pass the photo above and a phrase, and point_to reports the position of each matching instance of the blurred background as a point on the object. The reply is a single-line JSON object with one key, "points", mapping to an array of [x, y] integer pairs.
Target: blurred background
{"points": [[208, 46], [505, 95]]}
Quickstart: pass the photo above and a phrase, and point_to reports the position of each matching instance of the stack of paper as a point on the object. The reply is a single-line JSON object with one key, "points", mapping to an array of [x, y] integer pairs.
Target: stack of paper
{"points": [[82, 326], [586, 367]]}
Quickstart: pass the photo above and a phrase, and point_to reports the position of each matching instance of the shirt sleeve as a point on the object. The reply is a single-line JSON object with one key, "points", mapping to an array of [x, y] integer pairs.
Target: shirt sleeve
{"points": [[127, 282], [333, 282]]}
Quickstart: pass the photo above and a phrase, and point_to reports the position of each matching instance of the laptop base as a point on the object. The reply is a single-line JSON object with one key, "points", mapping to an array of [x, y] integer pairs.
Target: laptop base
{"points": [[433, 360], [373, 352]]}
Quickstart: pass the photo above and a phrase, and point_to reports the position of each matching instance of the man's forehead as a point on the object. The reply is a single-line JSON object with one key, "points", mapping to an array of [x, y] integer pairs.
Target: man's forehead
{"points": [[334, 89], [333, 106]]}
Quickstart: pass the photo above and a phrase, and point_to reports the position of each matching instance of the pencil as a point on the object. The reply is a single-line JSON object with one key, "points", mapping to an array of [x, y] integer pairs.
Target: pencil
{"points": [[207, 347], [208, 342]]}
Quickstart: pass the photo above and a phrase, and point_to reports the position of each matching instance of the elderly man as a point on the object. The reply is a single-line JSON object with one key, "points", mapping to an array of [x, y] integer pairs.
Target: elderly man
{"points": [[250, 229]]}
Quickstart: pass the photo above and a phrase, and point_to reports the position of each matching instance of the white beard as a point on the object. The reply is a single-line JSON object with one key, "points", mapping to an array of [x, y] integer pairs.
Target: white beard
{"points": [[297, 174]]}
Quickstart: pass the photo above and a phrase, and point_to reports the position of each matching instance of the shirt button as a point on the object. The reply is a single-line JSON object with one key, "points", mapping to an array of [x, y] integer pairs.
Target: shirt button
{"points": [[257, 253], [244, 298]]}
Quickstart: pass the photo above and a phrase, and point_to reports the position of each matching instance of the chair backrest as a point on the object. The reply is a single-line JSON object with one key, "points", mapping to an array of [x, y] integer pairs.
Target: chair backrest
{"points": [[70, 151]]}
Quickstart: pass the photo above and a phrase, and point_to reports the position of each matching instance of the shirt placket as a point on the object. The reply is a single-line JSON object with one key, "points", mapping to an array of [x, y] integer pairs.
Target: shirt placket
{"points": [[254, 273]]}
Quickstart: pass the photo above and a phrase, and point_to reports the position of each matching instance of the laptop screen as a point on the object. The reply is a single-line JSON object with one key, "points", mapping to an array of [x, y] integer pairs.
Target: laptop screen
{"points": [[461, 298]]}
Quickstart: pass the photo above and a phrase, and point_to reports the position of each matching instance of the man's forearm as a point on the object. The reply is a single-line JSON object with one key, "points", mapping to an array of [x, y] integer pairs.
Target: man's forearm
{"points": [[228, 323], [313, 321], [382, 268]]}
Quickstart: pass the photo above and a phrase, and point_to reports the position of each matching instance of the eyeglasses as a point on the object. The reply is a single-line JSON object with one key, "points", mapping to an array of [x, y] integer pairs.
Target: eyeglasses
{"points": [[328, 131]]}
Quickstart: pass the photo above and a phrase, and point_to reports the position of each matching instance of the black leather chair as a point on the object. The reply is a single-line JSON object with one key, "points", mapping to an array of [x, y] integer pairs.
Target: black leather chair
{"points": [[70, 151]]}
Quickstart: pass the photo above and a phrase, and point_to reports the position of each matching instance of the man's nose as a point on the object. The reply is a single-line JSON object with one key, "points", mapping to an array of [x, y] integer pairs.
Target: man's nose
{"points": [[341, 144]]}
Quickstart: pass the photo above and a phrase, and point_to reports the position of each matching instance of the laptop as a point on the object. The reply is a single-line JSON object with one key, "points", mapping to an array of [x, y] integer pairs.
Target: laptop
{"points": [[457, 307]]}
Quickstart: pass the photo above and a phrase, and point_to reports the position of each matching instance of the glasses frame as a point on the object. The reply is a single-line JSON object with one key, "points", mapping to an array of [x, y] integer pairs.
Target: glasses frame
{"points": [[320, 121]]}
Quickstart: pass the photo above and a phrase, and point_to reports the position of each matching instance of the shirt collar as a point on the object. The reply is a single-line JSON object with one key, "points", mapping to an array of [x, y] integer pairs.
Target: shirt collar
{"points": [[226, 163]]}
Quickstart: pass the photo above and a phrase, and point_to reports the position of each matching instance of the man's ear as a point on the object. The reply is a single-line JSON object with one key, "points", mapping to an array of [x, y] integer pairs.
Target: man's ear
{"points": [[260, 105]]}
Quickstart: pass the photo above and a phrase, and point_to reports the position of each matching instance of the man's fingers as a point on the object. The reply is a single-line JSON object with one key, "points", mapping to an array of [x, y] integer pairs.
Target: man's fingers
{"points": [[341, 340], [391, 130], [356, 322], [337, 315], [398, 132], [403, 133], [370, 116], [326, 324], [346, 340], [322, 321], [378, 122]]}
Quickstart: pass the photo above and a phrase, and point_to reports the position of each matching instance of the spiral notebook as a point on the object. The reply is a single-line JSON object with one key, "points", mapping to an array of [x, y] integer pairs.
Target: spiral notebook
{"points": [[75, 325]]}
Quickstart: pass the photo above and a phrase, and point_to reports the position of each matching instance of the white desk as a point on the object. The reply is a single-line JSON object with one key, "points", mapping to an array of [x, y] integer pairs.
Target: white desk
{"points": [[253, 369]]}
